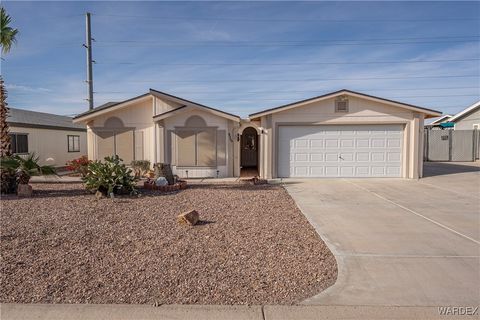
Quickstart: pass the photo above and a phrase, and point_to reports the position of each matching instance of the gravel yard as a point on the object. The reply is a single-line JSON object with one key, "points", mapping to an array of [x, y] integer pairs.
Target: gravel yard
{"points": [[253, 246]]}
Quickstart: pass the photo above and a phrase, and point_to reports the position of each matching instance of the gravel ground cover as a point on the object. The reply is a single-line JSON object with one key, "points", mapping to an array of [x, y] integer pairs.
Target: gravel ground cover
{"points": [[253, 246]]}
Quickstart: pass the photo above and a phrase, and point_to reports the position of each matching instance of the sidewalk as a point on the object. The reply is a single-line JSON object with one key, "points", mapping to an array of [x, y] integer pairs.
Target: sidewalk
{"points": [[55, 179], [215, 312]]}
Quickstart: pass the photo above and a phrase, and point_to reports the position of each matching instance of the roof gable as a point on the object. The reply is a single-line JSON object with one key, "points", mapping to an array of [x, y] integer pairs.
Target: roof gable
{"points": [[429, 112], [189, 103], [110, 106], [466, 112]]}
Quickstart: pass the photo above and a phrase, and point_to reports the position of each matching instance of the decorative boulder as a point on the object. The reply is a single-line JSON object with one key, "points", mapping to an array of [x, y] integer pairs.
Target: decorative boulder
{"points": [[99, 195], [161, 181], [190, 217], [24, 190]]}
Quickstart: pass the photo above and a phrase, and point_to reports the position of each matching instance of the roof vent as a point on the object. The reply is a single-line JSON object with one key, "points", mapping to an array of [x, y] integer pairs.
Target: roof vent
{"points": [[341, 104]]}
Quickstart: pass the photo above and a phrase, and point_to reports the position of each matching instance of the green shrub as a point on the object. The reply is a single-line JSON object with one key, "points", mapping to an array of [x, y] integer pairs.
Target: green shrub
{"points": [[140, 167], [110, 176], [19, 169]]}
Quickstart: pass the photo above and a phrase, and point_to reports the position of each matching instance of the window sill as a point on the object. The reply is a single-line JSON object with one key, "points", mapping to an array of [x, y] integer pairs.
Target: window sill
{"points": [[197, 167]]}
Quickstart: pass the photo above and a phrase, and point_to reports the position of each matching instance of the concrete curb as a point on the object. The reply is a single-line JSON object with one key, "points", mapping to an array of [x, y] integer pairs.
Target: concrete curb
{"points": [[10, 311]]}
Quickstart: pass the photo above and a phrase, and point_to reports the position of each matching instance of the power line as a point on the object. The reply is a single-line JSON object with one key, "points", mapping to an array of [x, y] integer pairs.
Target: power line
{"points": [[299, 91], [285, 92], [326, 40], [308, 79], [321, 41], [293, 63], [245, 44], [13, 91], [159, 18]]}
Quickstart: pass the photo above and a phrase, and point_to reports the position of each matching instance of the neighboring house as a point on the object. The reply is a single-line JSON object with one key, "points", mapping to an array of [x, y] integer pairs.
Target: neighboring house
{"points": [[340, 134], [439, 123], [53, 138], [467, 119]]}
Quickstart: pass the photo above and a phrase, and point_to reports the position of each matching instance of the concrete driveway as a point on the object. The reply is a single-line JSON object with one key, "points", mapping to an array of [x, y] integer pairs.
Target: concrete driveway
{"points": [[399, 242]]}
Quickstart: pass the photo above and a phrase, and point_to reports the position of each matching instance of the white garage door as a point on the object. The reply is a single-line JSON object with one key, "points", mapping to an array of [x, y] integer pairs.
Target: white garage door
{"points": [[340, 151]]}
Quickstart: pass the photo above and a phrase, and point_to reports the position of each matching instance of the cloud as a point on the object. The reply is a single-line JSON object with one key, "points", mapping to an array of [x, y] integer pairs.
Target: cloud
{"points": [[15, 87]]}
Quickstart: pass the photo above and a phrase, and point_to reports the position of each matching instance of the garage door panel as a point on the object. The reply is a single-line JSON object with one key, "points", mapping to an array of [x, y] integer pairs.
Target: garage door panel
{"points": [[316, 143], [331, 143], [347, 171], [362, 143], [347, 156], [317, 171], [363, 156], [362, 171], [349, 151], [332, 171], [331, 157], [394, 157]]}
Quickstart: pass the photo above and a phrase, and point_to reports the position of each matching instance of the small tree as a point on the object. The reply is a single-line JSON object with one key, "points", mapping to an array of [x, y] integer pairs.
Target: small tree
{"points": [[8, 36]]}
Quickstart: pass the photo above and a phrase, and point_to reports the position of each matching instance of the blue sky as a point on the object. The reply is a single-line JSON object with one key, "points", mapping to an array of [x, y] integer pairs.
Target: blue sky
{"points": [[243, 57]]}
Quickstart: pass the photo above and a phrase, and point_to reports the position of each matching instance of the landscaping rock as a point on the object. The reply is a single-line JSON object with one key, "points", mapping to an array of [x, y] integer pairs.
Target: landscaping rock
{"points": [[24, 190], [99, 195], [161, 181], [190, 217], [251, 246]]}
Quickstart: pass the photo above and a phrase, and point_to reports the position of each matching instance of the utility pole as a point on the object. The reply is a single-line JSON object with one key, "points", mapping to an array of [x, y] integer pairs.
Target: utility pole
{"points": [[88, 46]]}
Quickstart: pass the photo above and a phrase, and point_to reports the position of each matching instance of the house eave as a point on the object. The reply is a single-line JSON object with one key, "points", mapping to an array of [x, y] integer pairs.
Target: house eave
{"points": [[428, 112], [93, 113]]}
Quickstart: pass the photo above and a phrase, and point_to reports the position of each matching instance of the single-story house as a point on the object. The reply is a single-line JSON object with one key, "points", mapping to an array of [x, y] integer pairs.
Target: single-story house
{"points": [[439, 123], [53, 138], [340, 134], [467, 119]]}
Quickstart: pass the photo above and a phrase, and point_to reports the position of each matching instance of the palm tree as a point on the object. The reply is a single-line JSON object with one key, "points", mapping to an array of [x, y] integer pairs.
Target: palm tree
{"points": [[8, 36]]}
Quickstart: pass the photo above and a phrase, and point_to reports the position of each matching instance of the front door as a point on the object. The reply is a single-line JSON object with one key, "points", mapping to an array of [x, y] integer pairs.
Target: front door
{"points": [[249, 148]]}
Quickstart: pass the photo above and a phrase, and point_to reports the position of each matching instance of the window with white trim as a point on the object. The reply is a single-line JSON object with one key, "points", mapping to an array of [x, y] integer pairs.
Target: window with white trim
{"points": [[73, 143], [19, 143]]}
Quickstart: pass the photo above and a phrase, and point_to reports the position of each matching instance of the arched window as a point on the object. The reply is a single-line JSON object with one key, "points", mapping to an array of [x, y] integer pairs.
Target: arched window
{"points": [[113, 122], [195, 122]]}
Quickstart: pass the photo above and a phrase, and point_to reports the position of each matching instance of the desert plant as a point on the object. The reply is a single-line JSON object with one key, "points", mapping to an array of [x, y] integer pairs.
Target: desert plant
{"points": [[19, 169], [79, 165], [8, 180], [110, 177], [140, 167]]}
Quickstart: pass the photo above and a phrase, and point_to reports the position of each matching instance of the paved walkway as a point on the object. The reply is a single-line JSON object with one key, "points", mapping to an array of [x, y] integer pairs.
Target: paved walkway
{"points": [[189, 312], [55, 179], [399, 242]]}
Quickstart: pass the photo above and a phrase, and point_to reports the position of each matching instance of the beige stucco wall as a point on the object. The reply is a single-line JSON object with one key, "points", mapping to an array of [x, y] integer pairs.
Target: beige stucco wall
{"points": [[138, 116], [467, 122], [361, 111], [51, 145], [220, 123]]}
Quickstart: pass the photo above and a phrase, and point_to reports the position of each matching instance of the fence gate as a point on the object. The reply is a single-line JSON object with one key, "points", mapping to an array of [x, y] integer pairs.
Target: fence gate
{"points": [[451, 145]]}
